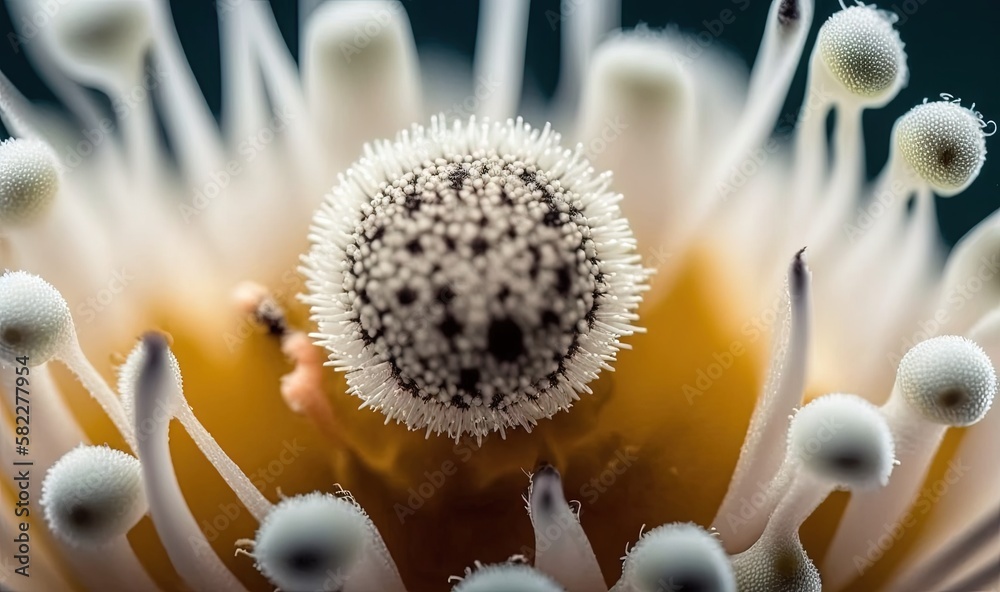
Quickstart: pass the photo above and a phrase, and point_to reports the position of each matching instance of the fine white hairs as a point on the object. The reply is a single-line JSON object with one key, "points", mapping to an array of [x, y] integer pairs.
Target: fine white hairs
{"points": [[93, 495], [680, 556], [837, 441], [311, 542], [943, 143], [863, 54], [506, 577], [29, 181], [35, 321], [322, 541]]}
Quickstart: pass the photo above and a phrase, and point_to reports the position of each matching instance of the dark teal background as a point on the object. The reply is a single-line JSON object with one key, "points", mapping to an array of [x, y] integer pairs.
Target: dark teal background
{"points": [[953, 46]]}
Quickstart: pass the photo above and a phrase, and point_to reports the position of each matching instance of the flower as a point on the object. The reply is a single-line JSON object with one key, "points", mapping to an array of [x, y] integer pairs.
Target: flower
{"points": [[476, 280]]}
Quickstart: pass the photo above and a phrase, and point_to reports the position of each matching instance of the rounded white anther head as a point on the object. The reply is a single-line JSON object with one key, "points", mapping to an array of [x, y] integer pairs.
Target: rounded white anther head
{"points": [[507, 577], [34, 319], [948, 380], [862, 52], [99, 38], [680, 556], [29, 180], [92, 495], [128, 380], [309, 542], [843, 439], [944, 143]]}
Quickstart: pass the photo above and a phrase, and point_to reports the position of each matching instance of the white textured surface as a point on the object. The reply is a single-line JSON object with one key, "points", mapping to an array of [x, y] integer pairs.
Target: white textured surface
{"points": [[843, 439], [34, 318], [863, 52], [944, 143], [29, 180], [680, 556], [504, 578], [92, 495], [949, 380]]}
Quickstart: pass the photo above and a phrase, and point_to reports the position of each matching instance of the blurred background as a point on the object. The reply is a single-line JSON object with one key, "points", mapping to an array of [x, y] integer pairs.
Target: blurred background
{"points": [[952, 46]]}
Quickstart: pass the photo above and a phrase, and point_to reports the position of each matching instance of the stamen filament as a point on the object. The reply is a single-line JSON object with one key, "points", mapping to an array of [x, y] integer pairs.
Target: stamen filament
{"points": [[186, 545], [764, 445], [562, 549], [499, 56]]}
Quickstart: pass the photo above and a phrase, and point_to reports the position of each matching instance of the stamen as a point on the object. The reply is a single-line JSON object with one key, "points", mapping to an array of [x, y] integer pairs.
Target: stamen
{"points": [[499, 55], [944, 381], [321, 541], [764, 445], [45, 569], [190, 126], [860, 61], [377, 74], [36, 326], [987, 575], [583, 31], [963, 280], [836, 442], [175, 405], [103, 42], [936, 569], [505, 577], [680, 556], [562, 549], [93, 495], [472, 279], [862, 55], [35, 322], [19, 116], [943, 144], [639, 109], [778, 58], [189, 551], [29, 181]]}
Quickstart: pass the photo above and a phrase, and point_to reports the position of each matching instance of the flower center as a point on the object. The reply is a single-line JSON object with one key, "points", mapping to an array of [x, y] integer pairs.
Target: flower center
{"points": [[474, 278]]}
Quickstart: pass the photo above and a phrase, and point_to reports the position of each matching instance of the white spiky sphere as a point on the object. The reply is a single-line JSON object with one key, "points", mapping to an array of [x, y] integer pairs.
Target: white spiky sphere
{"points": [[843, 439], [948, 380], [680, 556], [35, 321], [310, 542], [863, 53], [92, 495], [507, 578], [29, 181], [943, 143]]}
